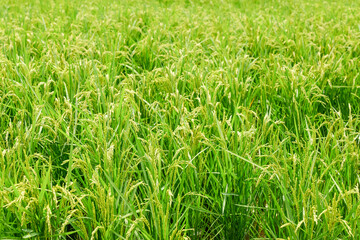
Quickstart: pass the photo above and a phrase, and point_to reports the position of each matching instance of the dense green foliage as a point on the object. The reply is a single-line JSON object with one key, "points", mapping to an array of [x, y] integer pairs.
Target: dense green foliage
{"points": [[179, 119]]}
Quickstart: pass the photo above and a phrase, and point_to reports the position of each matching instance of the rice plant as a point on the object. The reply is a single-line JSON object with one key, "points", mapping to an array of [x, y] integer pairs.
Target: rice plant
{"points": [[209, 119]]}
